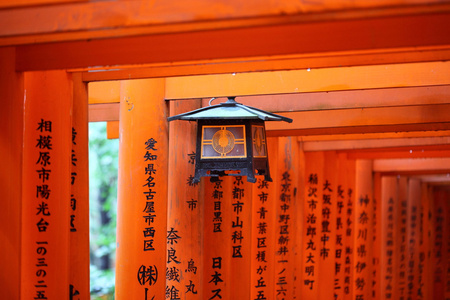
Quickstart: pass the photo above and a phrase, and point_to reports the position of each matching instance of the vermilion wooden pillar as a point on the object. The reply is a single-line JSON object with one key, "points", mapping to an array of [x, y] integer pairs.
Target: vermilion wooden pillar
{"points": [[79, 198], [240, 203], [440, 247], [401, 238], [11, 122], [264, 233], [299, 215], [227, 238], [427, 242], [286, 218], [349, 225], [389, 233], [312, 224], [345, 179], [377, 273], [363, 234], [142, 195], [328, 228], [442, 196], [217, 251], [185, 210], [46, 185]]}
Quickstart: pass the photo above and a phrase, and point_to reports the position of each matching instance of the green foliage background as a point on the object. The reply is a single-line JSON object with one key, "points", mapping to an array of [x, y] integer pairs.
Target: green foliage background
{"points": [[103, 172]]}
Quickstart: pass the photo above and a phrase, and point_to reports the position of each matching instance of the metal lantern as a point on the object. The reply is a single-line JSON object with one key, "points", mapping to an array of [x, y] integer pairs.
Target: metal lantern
{"points": [[231, 140]]}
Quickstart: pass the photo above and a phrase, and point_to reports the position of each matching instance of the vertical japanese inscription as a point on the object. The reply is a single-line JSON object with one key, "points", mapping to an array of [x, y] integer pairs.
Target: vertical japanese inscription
{"points": [[147, 275], [73, 197], [283, 236], [73, 200], [237, 224], [217, 196], [348, 247], [403, 253], [361, 267], [216, 278], [173, 273], [339, 254], [326, 228], [261, 237], [43, 199], [389, 249], [311, 222]]}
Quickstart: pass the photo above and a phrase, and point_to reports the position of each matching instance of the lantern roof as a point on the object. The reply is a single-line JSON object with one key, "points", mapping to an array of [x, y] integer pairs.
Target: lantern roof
{"points": [[229, 110]]}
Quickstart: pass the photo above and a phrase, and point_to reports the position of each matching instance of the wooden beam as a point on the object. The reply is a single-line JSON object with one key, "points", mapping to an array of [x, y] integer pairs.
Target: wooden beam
{"points": [[340, 121], [374, 136], [268, 63], [112, 129], [387, 153], [310, 80], [12, 121], [104, 112], [104, 92], [243, 40], [422, 95], [406, 165], [435, 179], [358, 145], [30, 3], [108, 92], [103, 19], [367, 120]]}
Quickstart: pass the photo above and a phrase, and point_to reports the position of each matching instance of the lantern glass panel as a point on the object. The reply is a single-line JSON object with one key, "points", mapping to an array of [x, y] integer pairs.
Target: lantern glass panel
{"points": [[259, 141], [223, 142]]}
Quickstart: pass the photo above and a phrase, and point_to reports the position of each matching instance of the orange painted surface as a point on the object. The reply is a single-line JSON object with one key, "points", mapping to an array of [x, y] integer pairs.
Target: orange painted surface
{"points": [[109, 15], [363, 230], [286, 219], [440, 247], [264, 230], [142, 196], [350, 213], [46, 185], [342, 179], [378, 219], [79, 196], [230, 42], [239, 201], [217, 245], [328, 236], [328, 226], [185, 210], [313, 181], [227, 238], [309, 80], [362, 120], [104, 92], [404, 186], [390, 240], [426, 244], [11, 122], [269, 63], [391, 97], [112, 129]]}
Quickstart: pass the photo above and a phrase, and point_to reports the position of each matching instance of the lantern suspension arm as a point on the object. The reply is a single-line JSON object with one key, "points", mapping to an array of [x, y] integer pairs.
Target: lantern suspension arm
{"points": [[212, 99]]}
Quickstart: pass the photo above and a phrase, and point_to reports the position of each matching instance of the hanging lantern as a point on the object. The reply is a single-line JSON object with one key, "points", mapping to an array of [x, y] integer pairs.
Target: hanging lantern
{"points": [[231, 140]]}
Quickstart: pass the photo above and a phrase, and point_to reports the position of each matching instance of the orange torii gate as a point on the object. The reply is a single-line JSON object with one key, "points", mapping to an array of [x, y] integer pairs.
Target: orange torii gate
{"points": [[344, 209]]}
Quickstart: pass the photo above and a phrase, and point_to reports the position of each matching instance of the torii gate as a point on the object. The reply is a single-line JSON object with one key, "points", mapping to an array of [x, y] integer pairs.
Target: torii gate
{"points": [[360, 80]]}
